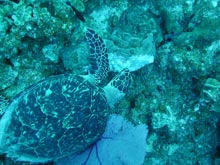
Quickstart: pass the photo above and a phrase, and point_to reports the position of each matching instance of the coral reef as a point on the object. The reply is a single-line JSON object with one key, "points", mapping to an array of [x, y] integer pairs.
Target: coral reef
{"points": [[172, 47], [3, 104]]}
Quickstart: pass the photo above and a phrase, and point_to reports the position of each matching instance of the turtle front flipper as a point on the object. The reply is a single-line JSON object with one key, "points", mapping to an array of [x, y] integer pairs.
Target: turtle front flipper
{"points": [[98, 56]]}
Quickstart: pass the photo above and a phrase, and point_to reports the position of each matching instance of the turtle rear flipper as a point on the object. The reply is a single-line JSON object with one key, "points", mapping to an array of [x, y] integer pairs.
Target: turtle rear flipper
{"points": [[3, 104], [98, 56]]}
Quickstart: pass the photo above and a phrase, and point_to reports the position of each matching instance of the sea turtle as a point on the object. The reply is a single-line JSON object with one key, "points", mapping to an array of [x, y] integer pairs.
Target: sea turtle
{"points": [[62, 114]]}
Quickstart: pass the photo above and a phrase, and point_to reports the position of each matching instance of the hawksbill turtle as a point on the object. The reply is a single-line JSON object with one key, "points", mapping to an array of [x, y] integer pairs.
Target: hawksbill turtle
{"points": [[63, 114]]}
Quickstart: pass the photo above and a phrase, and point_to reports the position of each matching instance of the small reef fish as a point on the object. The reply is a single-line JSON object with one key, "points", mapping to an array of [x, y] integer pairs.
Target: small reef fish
{"points": [[78, 14]]}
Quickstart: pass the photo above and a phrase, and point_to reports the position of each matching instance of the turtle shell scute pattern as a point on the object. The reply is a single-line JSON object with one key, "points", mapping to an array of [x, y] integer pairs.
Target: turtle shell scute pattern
{"points": [[58, 116]]}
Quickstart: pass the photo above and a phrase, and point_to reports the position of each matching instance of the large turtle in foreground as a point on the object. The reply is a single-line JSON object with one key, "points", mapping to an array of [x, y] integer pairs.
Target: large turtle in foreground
{"points": [[62, 114]]}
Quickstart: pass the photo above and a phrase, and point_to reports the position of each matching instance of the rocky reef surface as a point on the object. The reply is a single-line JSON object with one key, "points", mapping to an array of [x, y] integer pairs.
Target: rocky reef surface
{"points": [[172, 48]]}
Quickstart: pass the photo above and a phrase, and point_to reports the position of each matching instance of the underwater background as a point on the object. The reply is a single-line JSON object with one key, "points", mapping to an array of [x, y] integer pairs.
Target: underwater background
{"points": [[172, 48]]}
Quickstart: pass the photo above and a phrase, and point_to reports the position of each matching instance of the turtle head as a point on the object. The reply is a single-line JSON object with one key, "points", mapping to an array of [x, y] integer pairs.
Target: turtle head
{"points": [[117, 87]]}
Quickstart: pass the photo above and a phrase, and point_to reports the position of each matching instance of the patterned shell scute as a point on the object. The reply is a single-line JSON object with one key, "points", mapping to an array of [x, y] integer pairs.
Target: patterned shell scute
{"points": [[58, 116]]}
